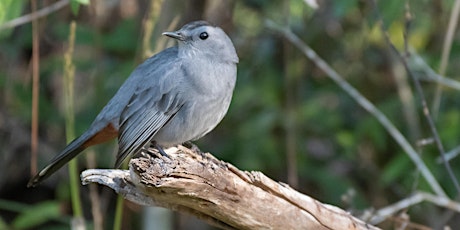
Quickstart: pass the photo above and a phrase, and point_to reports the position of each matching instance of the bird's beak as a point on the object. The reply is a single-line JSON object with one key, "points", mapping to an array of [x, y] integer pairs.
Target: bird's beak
{"points": [[176, 35]]}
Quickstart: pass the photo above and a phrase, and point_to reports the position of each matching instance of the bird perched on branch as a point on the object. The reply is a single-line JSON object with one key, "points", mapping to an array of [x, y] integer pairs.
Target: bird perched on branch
{"points": [[175, 96]]}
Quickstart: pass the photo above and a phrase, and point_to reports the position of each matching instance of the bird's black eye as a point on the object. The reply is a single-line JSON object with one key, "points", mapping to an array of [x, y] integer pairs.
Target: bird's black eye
{"points": [[204, 36]]}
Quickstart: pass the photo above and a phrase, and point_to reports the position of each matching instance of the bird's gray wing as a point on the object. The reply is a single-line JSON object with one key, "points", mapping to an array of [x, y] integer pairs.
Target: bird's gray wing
{"points": [[149, 109]]}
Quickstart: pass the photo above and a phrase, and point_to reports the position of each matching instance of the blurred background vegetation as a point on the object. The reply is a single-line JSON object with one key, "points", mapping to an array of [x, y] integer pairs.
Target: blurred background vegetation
{"points": [[287, 118]]}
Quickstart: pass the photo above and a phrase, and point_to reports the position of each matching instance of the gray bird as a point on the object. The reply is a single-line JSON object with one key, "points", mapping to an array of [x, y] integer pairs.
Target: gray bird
{"points": [[175, 96]]}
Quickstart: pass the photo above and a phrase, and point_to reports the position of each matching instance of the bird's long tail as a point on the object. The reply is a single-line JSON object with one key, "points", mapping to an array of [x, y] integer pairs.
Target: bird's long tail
{"points": [[69, 152], [87, 139]]}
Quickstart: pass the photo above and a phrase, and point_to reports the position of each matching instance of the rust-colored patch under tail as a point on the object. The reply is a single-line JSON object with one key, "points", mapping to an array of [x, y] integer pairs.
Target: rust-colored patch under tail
{"points": [[106, 134]]}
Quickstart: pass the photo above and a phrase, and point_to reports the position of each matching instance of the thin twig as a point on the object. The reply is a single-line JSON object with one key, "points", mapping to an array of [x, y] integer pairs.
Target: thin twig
{"points": [[449, 155], [430, 74], [453, 21], [444, 81], [34, 15], [407, 99], [35, 92], [383, 213], [94, 196], [290, 121], [418, 87], [363, 102], [148, 24], [68, 86]]}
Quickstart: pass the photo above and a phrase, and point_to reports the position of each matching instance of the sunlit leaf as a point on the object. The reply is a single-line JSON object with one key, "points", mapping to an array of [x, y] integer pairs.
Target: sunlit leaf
{"points": [[83, 2], [9, 9], [75, 5]]}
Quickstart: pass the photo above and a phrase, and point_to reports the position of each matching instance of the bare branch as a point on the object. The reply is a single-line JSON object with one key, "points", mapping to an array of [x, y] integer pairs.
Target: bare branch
{"points": [[35, 15], [382, 214], [449, 155], [418, 64]]}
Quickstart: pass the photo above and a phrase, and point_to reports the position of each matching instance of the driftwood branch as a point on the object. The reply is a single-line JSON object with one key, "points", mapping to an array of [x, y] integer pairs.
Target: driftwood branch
{"points": [[219, 193]]}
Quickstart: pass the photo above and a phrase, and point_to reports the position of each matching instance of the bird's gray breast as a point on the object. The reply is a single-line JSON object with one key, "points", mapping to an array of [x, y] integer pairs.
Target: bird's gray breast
{"points": [[206, 89]]}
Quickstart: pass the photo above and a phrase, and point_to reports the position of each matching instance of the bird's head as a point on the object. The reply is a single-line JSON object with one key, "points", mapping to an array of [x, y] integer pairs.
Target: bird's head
{"points": [[200, 38]]}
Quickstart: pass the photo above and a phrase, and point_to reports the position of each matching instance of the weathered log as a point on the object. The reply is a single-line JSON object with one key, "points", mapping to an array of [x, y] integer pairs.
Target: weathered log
{"points": [[217, 192]]}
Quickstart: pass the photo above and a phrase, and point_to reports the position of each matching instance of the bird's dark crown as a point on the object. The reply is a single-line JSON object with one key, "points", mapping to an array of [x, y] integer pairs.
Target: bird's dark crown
{"points": [[195, 24]]}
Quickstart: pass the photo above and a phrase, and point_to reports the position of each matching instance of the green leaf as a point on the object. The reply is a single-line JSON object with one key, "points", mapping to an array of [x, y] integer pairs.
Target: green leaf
{"points": [[83, 2], [9, 9], [37, 214], [396, 168], [75, 5]]}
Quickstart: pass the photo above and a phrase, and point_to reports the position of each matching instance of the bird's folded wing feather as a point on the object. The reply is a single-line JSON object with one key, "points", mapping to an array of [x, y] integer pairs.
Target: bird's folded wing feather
{"points": [[149, 109]]}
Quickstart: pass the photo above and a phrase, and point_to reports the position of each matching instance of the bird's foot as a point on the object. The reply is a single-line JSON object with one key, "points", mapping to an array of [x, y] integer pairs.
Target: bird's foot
{"points": [[161, 150], [192, 147], [156, 149]]}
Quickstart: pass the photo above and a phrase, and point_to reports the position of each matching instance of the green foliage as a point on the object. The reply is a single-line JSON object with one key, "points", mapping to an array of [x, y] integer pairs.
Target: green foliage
{"points": [[120, 40], [9, 9], [344, 8], [75, 5], [396, 170], [37, 214], [447, 120]]}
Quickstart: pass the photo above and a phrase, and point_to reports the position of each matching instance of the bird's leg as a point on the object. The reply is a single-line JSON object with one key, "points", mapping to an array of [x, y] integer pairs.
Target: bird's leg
{"points": [[160, 149], [191, 146], [194, 148]]}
